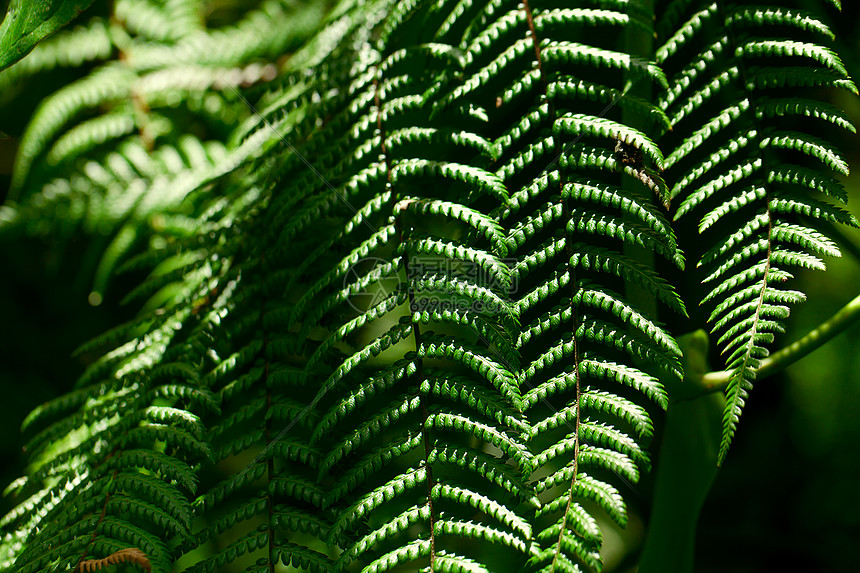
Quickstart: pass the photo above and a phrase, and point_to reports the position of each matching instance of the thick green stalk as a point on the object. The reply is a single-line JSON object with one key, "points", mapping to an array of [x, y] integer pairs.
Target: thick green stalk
{"points": [[785, 357], [687, 463], [686, 469]]}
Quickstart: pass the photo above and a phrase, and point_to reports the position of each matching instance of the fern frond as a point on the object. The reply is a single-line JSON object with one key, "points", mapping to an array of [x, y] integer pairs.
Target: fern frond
{"points": [[761, 180], [777, 107], [371, 463], [776, 16], [299, 556], [111, 83], [67, 48], [407, 315], [131, 555]]}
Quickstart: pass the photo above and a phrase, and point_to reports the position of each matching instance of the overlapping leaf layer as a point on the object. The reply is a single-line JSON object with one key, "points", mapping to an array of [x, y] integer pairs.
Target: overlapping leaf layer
{"points": [[415, 327]]}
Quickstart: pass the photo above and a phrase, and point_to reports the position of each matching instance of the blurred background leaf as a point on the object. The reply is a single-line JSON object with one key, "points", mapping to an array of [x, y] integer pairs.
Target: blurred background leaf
{"points": [[184, 84]]}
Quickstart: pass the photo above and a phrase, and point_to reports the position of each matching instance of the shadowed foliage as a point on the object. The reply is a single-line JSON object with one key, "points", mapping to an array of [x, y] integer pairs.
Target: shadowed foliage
{"points": [[408, 287]]}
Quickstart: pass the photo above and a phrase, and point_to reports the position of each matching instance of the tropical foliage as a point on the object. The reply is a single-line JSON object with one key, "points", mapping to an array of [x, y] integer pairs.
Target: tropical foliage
{"points": [[415, 291]]}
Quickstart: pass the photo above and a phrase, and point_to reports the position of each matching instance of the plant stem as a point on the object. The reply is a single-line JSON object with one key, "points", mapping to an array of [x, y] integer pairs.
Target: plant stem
{"points": [[778, 361], [686, 469]]}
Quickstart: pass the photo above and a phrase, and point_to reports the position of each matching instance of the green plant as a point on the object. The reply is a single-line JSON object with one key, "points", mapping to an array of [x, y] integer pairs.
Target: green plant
{"points": [[409, 319], [116, 152]]}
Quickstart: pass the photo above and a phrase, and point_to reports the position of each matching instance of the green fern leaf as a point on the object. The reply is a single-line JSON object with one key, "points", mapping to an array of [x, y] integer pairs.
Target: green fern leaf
{"points": [[406, 316]]}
